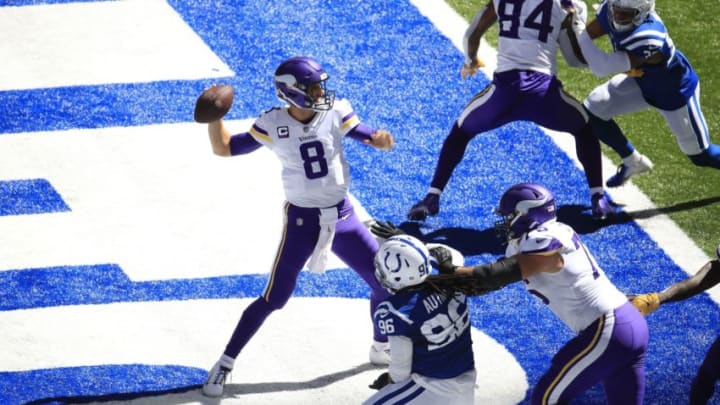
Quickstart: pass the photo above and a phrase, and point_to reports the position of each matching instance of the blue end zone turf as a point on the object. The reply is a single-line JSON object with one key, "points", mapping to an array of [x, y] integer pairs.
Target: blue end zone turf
{"points": [[80, 384], [30, 196], [401, 74]]}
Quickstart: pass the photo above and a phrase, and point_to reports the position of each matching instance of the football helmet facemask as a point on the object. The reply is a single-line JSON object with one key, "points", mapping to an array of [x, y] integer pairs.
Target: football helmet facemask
{"points": [[524, 207], [402, 261], [628, 14], [300, 81]]}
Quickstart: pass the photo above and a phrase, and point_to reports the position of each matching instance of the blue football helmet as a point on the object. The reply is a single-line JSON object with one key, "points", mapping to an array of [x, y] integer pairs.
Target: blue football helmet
{"points": [[294, 82], [628, 14], [524, 207], [401, 261]]}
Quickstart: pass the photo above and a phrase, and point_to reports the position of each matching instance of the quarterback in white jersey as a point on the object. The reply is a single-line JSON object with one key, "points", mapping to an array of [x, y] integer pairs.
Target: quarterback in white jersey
{"points": [[611, 336], [314, 170], [306, 135]]}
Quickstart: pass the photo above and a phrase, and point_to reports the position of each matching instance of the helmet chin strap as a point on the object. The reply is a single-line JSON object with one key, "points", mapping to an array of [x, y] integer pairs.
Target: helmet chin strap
{"points": [[622, 27]]}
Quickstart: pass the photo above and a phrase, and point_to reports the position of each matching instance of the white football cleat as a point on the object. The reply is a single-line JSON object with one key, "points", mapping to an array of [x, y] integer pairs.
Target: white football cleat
{"points": [[215, 383], [627, 170], [380, 353]]}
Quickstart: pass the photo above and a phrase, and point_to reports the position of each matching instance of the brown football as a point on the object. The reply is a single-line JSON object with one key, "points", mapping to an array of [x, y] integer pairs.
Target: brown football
{"points": [[213, 103]]}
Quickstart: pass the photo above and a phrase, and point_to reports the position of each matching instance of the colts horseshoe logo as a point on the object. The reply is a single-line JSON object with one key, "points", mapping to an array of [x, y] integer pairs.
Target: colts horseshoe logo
{"points": [[399, 262]]}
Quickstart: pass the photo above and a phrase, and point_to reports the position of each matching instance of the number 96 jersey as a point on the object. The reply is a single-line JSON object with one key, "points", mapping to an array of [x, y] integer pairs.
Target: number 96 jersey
{"points": [[528, 33], [437, 325], [314, 170]]}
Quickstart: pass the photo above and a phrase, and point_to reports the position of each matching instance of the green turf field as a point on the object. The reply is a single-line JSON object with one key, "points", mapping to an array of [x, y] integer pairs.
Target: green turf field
{"points": [[690, 195]]}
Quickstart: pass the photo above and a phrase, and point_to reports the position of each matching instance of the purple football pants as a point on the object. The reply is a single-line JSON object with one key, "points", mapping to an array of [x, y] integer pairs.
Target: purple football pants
{"points": [[611, 351], [353, 244], [521, 95], [703, 385]]}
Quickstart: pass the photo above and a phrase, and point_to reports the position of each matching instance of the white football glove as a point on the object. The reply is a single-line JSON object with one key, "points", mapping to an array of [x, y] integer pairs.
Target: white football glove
{"points": [[578, 11]]}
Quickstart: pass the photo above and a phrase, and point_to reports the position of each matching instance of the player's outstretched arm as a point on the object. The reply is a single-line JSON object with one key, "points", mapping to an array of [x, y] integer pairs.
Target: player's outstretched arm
{"points": [[707, 277], [601, 64], [475, 280]]}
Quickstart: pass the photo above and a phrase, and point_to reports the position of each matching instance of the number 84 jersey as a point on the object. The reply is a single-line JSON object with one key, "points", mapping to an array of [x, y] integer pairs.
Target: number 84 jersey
{"points": [[314, 170], [528, 32]]}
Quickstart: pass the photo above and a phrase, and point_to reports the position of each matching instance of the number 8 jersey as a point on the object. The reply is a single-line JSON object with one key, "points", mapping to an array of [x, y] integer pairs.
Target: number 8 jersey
{"points": [[314, 170]]}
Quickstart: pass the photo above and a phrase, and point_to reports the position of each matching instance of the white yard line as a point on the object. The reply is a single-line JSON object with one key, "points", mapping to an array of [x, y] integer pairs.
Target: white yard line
{"points": [[101, 42], [673, 240]]}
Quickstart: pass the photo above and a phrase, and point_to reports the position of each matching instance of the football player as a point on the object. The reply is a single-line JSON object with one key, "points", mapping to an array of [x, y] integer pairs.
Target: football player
{"points": [[703, 385], [524, 87], [611, 336], [307, 137], [649, 71], [432, 359]]}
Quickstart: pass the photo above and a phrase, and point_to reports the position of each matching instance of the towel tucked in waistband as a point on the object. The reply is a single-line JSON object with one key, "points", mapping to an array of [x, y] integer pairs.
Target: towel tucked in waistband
{"points": [[319, 258]]}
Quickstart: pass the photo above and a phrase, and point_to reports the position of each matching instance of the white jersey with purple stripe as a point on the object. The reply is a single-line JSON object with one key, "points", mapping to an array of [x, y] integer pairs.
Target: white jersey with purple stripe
{"points": [[314, 170], [528, 34], [667, 85], [580, 292]]}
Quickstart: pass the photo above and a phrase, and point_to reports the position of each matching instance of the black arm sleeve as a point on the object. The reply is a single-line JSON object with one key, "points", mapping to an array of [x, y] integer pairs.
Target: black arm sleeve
{"points": [[707, 277], [499, 273]]}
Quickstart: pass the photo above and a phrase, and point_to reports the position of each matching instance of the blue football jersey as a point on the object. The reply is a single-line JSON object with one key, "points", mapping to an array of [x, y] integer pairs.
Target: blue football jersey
{"points": [[439, 327], [667, 85]]}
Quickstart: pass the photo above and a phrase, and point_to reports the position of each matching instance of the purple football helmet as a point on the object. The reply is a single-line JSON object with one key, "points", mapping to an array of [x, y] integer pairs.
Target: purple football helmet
{"points": [[294, 80], [523, 207]]}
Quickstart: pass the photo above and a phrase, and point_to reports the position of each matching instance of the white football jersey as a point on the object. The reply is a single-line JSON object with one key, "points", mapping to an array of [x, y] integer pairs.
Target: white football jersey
{"points": [[580, 292], [315, 173], [528, 34]]}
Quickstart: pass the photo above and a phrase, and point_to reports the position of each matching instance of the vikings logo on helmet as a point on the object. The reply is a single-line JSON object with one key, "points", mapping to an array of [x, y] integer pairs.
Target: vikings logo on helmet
{"points": [[523, 207], [294, 79]]}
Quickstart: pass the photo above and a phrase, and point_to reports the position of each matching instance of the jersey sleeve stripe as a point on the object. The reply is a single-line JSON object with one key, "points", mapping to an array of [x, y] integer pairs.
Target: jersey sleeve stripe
{"points": [[349, 121], [645, 37], [258, 132]]}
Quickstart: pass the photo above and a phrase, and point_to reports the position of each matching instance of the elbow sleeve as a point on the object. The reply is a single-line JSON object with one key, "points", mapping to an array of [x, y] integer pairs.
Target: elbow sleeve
{"points": [[361, 132], [600, 63], [243, 143], [499, 273]]}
